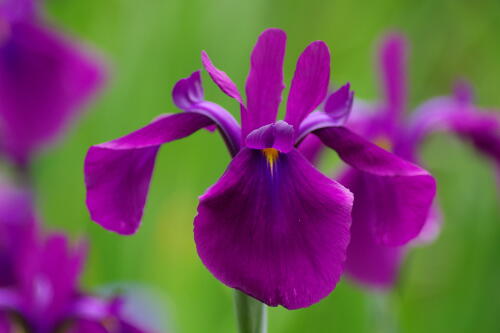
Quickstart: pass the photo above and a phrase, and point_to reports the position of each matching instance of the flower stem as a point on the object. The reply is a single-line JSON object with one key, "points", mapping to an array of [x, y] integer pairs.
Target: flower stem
{"points": [[251, 314]]}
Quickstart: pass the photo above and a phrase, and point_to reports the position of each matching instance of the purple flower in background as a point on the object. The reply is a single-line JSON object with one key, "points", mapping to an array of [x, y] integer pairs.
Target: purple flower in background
{"points": [[368, 261], [44, 79], [272, 226], [39, 278]]}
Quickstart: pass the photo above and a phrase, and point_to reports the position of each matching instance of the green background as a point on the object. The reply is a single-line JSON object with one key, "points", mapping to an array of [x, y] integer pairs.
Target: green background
{"points": [[449, 286]]}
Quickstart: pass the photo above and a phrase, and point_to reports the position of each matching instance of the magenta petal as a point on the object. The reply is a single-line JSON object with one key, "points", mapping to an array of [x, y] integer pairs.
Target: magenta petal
{"points": [[401, 192], [368, 262], [188, 96], [338, 105], [279, 135], [220, 78], [118, 173], [278, 234], [14, 10], [44, 78], [17, 230], [265, 80], [392, 59], [309, 84]]}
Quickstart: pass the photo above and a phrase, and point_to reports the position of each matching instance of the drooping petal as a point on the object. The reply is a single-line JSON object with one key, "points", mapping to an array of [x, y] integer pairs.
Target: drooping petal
{"points": [[188, 96], [118, 173], [265, 80], [221, 79], [276, 232], [392, 58], [44, 80], [309, 84], [368, 262], [401, 192], [279, 135]]}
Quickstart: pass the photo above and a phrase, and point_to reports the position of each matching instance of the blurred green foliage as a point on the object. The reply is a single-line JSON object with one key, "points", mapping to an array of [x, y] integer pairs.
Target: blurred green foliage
{"points": [[449, 286]]}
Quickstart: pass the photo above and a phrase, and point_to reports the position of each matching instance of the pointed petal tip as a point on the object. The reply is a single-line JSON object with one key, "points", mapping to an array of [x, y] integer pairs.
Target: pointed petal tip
{"points": [[221, 79]]}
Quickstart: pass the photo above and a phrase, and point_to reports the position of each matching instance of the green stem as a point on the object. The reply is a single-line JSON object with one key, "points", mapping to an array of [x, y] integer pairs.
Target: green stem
{"points": [[251, 314]]}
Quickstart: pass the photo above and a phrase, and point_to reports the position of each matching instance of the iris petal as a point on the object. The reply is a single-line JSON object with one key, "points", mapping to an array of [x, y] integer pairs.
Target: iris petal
{"points": [[392, 58], [309, 83], [401, 192], [279, 236], [265, 80], [367, 261], [118, 173], [44, 78]]}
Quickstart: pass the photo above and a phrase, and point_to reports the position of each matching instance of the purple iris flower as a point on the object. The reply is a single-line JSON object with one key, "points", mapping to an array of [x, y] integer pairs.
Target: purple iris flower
{"points": [[368, 261], [272, 226], [44, 79], [39, 278]]}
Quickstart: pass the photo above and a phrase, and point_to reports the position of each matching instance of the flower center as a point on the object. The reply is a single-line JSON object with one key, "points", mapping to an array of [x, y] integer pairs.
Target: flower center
{"points": [[271, 155]]}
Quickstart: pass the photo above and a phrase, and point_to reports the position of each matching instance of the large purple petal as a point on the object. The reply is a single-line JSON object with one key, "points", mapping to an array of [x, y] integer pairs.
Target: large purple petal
{"points": [[309, 84], [392, 59], [367, 261], [118, 173], [44, 79], [401, 192], [265, 80], [277, 231]]}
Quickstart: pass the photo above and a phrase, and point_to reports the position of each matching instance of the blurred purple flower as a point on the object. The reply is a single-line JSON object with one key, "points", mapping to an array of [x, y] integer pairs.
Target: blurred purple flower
{"points": [[44, 79], [272, 226], [368, 261], [39, 277]]}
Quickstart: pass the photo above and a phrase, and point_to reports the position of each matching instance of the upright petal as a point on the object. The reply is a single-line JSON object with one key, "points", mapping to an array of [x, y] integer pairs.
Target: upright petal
{"points": [[220, 78], [392, 59], [265, 80], [44, 79], [118, 173], [401, 192], [309, 84], [368, 262], [278, 233]]}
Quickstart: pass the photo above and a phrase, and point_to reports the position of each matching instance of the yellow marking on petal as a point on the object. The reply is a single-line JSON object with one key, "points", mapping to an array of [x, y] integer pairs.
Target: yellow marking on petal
{"points": [[271, 155], [384, 143]]}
